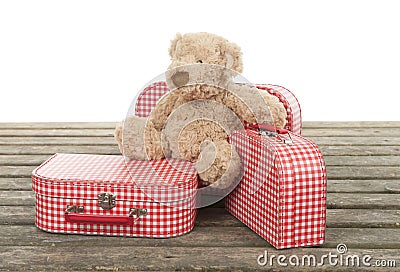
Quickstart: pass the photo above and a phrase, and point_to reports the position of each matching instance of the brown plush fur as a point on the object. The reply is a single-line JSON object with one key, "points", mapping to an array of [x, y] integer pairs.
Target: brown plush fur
{"points": [[203, 106]]}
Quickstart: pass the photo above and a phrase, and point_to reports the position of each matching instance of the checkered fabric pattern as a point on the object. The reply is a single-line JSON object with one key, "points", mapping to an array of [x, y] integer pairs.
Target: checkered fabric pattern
{"points": [[150, 95], [290, 102], [166, 188], [282, 195]]}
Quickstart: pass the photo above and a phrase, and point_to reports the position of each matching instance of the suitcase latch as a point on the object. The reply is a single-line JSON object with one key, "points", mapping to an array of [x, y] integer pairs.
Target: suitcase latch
{"points": [[74, 209], [137, 212], [106, 201]]}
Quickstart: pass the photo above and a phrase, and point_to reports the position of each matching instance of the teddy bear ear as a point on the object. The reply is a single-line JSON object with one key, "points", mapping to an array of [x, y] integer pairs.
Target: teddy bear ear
{"points": [[233, 56], [174, 42]]}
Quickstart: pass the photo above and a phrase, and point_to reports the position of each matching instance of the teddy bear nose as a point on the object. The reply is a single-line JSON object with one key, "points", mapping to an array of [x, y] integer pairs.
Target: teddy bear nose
{"points": [[180, 78], [199, 61]]}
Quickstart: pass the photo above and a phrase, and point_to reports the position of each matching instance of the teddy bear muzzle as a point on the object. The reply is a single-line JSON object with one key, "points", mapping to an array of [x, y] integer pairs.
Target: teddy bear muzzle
{"points": [[180, 78]]}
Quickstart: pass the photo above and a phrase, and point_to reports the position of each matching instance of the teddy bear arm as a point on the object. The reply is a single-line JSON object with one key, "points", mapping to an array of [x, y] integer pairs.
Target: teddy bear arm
{"points": [[276, 108]]}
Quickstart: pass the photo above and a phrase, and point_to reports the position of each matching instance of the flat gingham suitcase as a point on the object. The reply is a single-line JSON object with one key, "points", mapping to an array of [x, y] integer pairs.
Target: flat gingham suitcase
{"points": [[282, 195], [106, 195], [151, 94]]}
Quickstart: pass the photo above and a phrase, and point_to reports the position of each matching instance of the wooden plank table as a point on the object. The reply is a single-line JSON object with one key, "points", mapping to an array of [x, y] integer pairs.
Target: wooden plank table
{"points": [[363, 165]]}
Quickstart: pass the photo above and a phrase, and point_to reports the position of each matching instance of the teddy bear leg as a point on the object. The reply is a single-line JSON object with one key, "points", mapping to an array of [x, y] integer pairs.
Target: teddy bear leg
{"points": [[218, 165], [129, 136], [118, 135]]}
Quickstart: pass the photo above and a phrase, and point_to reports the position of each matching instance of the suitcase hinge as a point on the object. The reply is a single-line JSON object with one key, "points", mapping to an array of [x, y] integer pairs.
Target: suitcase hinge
{"points": [[106, 201]]}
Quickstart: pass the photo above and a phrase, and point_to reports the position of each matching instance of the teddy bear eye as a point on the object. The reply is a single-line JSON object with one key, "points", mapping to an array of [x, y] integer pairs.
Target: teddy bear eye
{"points": [[199, 61]]}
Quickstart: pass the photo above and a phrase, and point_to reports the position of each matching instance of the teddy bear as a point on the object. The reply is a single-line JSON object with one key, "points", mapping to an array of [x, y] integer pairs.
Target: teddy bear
{"points": [[204, 105]]}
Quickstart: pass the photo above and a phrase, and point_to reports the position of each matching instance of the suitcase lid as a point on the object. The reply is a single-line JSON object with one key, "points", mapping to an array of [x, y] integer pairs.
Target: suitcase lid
{"points": [[87, 176], [284, 150]]}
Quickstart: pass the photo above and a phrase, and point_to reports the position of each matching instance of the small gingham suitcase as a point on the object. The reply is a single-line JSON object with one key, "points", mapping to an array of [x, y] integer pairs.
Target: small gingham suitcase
{"points": [[151, 94], [282, 194], [108, 195]]}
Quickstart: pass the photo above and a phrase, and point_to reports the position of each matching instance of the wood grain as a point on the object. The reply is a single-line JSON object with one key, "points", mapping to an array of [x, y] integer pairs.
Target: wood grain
{"points": [[57, 132], [222, 237], [306, 124], [51, 140], [50, 150], [334, 186], [360, 172], [16, 184], [363, 201], [352, 132], [333, 172], [360, 160], [219, 217], [351, 124], [79, 140], [334, 200], [363, 166], [360, 150], [59, 125], [361, 186], [35, 160], [359, 140], [113, 150], [109, 132], [129, 258]]}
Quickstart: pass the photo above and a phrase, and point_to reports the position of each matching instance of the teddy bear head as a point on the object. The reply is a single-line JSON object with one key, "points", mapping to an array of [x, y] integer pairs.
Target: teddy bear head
{"points": [[205, 48], [219, 59]]}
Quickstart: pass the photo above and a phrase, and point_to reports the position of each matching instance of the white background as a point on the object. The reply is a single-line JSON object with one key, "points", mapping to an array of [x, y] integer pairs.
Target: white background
{"points": [[85, 60]]}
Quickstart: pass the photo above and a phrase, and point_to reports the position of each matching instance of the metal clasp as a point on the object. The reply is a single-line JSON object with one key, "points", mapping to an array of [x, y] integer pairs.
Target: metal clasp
{"points": [[138, 212], [268, 133], [106, 201], [287, 141], [74, 209]]}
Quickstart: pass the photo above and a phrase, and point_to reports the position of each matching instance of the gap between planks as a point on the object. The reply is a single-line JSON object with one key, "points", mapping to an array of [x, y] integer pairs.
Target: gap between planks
{"points": [[89, 132], [334, 200], [333, 186], [219, 217], [108, 125], [333, 172], [198, 237], [321, 141], [113, 150], [393, 160]]}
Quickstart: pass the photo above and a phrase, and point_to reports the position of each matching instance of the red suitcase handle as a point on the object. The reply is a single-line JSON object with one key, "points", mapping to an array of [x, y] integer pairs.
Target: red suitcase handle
{"points": [[73, 215], [269, 130], [264, 127]]}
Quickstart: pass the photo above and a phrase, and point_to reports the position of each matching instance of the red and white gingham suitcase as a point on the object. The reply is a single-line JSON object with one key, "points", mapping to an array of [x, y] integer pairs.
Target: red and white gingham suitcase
{"points": [[149, 96], [106, 195], [153, 92], [282, 195]]}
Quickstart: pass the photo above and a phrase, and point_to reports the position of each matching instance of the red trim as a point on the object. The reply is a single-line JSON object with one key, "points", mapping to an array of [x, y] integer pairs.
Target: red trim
{"points": [[99, 219], [264, 127]]}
